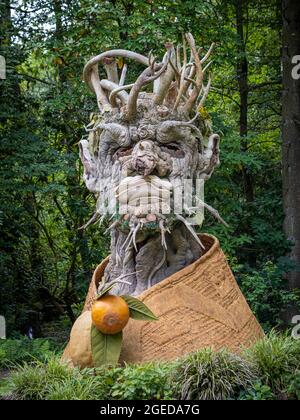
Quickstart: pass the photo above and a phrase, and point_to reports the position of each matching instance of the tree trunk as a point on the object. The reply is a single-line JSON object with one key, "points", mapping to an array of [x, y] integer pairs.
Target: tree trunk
{"points": [[242, 77], [59, 30], [291, 138], [242, 73], [5, 23]]}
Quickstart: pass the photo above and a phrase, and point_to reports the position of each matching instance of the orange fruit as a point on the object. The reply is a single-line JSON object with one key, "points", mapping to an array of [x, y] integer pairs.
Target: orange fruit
{"points": [[110, 314]]}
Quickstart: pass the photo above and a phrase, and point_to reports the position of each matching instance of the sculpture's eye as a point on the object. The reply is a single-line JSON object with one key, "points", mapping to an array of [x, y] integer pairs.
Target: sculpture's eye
{"points": [[121, 152], [174, 150]]}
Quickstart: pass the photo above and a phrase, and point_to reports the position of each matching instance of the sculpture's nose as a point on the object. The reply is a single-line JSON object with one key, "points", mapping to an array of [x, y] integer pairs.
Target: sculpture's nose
{"points": [[144, 158], [144, 165]]}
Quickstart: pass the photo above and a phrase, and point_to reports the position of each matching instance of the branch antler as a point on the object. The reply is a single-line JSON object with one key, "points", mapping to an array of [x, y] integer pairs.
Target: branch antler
{"points": [[91, 73], [153, 72], [174, 74], [199, 75]]}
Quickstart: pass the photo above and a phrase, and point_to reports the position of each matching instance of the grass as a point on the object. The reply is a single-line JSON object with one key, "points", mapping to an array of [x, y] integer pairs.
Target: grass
{"points": [[78, 387], [55, 381], [268, 370], [208, 375], [32, 381], [277, 359], [5, 384]]}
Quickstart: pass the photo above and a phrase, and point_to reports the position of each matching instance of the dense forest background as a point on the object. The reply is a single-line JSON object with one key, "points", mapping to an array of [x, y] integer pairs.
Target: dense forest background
{"points": [[46, 262]]}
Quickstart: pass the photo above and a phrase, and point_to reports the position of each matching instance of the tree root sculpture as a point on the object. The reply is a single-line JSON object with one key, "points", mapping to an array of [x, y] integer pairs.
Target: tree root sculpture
{"points": [[142, 150]]}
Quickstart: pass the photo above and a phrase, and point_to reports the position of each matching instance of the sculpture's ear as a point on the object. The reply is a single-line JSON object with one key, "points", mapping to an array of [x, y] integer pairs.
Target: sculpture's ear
{"points": [[210, 157], [90, 174], [85, 155]]}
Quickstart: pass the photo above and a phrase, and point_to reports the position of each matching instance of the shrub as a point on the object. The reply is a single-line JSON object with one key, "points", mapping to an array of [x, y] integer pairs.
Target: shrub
{"points": [[59, 331], [32, 381], [277, 359], [265, 291], [14, 352], [269, 370], [2, 357], [207, 375], [88, 384], [259, 391], [53, 381], [144, 382], [293, 390]]}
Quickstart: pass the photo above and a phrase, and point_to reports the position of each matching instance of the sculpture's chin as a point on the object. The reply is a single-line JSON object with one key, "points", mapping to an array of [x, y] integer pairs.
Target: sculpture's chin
{"points": [[145, 223]]}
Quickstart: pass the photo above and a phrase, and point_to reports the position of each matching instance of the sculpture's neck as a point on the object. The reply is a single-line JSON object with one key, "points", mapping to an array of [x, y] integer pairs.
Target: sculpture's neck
{"points": [[150, 262]]}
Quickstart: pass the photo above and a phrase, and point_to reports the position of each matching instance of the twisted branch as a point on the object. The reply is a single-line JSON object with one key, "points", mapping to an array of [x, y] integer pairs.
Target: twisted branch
{"points": [[188, 75], [91, 73], [113, 87], [145, 78], [199, 75]]}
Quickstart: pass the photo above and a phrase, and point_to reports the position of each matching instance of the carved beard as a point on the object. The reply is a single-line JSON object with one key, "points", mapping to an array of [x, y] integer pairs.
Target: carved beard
{"points": [[139, 171]]}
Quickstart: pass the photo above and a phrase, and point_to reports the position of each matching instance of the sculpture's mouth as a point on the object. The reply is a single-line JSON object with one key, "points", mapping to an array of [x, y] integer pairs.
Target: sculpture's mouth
{"points": [[145, 205], [143, 197]]}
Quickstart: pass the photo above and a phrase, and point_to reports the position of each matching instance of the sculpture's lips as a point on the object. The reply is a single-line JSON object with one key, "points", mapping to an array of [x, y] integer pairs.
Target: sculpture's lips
{"points": [[141, 196]]}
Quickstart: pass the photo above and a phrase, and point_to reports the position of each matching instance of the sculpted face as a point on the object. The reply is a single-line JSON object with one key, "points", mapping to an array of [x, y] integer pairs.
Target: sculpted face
{"points": [[142, 158], [136, 169]]}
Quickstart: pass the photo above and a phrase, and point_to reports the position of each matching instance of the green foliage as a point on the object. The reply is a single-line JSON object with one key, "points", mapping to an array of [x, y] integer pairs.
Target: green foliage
{"points": [[138, 310], [266, 293], [293, 389], [5, 385], [54, 381], [14, 352], [144, 382], [268, 370], [207, 375], [253, 237], [59, 330], [277, 360], [106, 348], [81, 386], [32, 381], [259, 391]]}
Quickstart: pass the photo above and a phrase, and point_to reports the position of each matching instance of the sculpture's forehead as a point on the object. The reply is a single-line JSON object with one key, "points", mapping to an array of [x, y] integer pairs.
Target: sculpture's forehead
{"points": [[144, 132]]}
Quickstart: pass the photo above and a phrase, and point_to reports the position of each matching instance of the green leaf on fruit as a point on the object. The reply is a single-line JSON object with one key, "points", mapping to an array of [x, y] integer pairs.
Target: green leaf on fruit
{"points": [[138, 310], [106, 349]]}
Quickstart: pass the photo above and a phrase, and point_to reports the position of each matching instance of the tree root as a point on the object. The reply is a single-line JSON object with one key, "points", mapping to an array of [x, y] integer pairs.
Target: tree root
{"points": [[190, 229]]}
